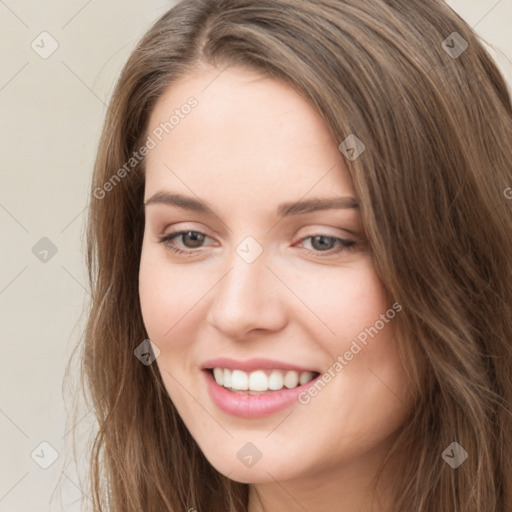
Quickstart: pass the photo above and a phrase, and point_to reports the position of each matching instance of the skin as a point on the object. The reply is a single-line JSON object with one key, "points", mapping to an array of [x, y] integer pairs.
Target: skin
{"points": [[251, 144]]}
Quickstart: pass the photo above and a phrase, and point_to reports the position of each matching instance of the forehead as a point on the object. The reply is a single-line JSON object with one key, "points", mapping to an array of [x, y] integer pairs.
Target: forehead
{"points": [[245, 132]]}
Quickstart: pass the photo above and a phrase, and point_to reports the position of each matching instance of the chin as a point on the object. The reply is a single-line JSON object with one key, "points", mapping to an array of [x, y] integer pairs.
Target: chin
{"points": [[263, 471]]}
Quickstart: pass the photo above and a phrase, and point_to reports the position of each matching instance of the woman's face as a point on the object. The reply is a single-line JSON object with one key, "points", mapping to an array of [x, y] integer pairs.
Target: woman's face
{"points": [[271, 287]]}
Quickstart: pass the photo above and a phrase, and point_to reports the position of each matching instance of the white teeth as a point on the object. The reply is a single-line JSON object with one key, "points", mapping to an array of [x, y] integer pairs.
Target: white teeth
{"points": [[260, 380], [305, 377], [291, 379], [219, 375], [275, 381], [239, 380], [226, 378]]}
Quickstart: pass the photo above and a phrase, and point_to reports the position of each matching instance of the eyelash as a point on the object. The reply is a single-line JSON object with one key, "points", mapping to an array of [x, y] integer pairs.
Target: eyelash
{"points": [[345, 244]]}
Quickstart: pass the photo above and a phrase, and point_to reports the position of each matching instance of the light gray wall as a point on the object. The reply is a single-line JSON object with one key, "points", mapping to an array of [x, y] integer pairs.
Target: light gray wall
{"points": [[52, 108]]}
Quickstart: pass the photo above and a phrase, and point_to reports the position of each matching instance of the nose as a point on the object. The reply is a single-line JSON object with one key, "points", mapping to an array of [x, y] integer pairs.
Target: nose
{"points": [[247, 299]]}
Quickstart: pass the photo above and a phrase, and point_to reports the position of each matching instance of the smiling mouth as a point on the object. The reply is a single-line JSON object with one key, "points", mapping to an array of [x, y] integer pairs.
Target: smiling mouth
{"points": [[260, 382]]}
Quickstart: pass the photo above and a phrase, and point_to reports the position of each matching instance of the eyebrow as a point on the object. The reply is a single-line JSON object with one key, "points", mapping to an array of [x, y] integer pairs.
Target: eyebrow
{"points": [[283, 210]]}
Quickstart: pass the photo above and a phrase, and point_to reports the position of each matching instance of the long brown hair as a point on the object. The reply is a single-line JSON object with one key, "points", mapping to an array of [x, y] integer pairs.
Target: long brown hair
{"points": [[412, 81]]}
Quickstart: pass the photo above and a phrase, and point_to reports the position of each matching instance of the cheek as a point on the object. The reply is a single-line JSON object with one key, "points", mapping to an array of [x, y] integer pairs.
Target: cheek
{"points": [[358, 327], [346, 301], [367, 326], [162, 306]]}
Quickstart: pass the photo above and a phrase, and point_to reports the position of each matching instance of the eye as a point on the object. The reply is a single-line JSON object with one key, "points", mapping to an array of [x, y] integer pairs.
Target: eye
{"points": [[322, 245], [193, 239]]}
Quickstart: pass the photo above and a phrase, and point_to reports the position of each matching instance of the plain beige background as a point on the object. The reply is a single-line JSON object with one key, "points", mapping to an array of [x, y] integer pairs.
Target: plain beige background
{"points": [[52, 111]]}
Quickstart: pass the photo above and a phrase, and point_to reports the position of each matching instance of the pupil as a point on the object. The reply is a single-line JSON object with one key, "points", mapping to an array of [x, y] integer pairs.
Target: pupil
{"points": [[322, 245], [196, 238]]}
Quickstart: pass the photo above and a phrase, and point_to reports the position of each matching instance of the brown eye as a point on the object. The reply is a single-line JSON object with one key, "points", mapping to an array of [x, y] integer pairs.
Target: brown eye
{"points": [[192, 239], [189, 240]]}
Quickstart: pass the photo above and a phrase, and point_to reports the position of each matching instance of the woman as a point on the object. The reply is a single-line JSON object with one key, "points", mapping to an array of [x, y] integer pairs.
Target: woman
{"points": [[303, 206]]}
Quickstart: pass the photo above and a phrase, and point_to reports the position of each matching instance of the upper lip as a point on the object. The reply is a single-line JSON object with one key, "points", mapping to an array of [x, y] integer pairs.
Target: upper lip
{"points": [[249, 365]]}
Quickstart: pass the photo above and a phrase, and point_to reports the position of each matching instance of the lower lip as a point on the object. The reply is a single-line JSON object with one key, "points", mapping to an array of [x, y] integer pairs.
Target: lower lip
{"points": [[252, 406]]}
